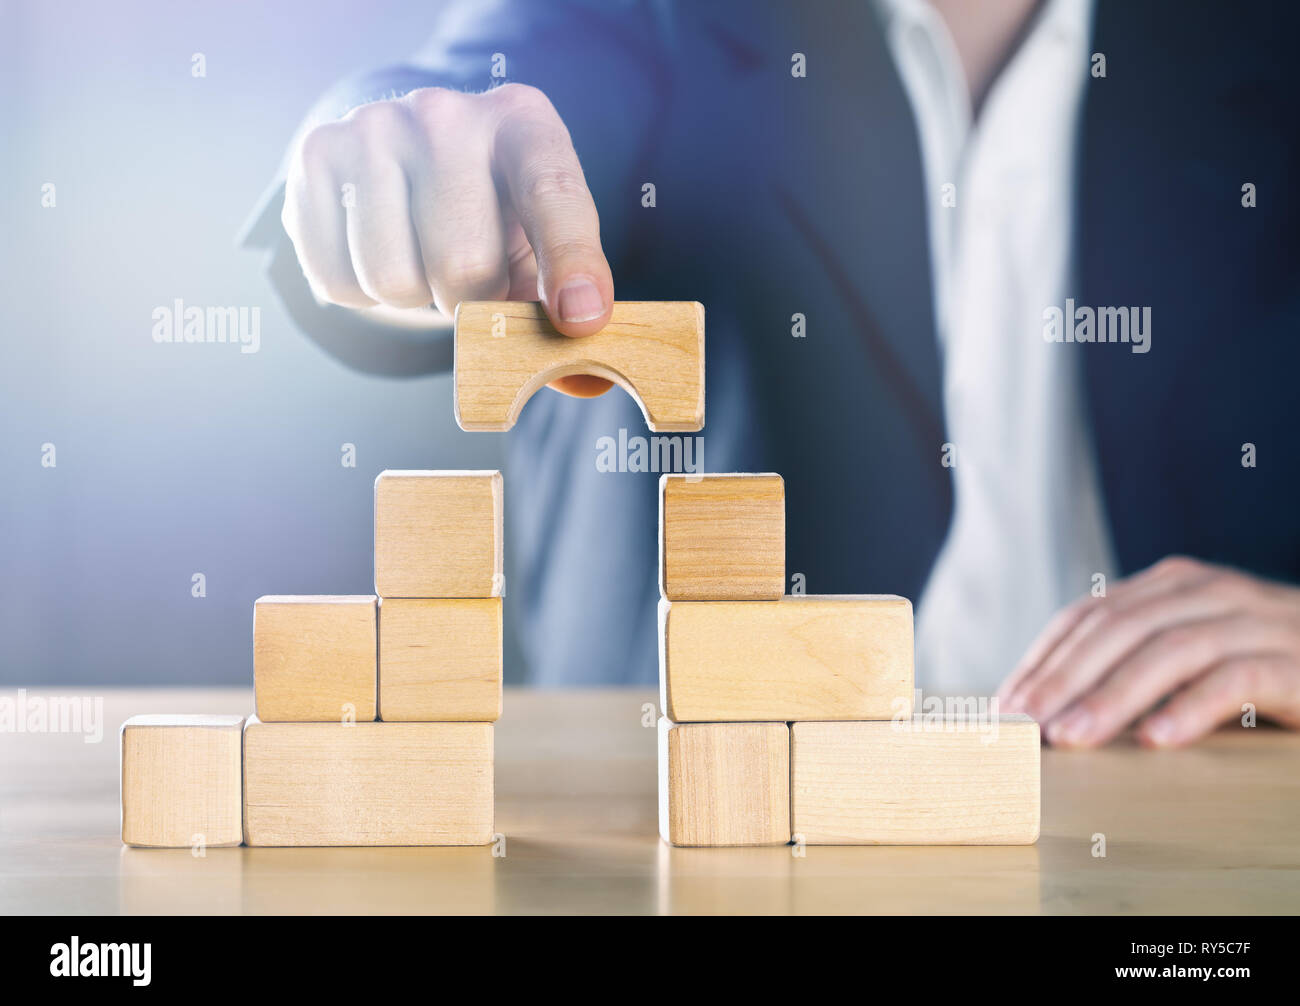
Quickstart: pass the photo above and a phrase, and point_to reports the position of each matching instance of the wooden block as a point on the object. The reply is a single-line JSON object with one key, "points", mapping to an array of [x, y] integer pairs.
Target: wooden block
{"points": [[838, 657], [440, 659], [724, 783], [915, 782], [367, 783], [506, 350], [314, 657], [722, 537], [438, 534], [180, 781]]}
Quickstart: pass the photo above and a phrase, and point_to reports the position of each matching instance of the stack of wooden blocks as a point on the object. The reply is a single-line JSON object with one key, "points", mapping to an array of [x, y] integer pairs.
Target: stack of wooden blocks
{"points": [[375, 713], [790, 718]]}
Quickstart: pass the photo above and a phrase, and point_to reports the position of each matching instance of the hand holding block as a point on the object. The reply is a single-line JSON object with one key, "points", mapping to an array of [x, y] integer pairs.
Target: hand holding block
{"points": [[314, 657], [180, 781], [438, 534], [813, 657], [367, 783], [915, 782], [440, 659], [506, 350], [722, 537], [724, 783]]}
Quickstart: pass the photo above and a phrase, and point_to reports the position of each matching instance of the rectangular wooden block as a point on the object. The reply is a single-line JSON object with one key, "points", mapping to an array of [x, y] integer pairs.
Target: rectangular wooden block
{"points": [[440, 659], [180, 781], [507, 350], [724, 783], [314, 657], [438, 534], [721, 537], [368, 783], [833, 657], [915, 783]]}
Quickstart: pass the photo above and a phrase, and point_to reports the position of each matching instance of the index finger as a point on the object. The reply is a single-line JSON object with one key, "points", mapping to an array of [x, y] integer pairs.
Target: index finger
{"points": [[535, 159], [1158, 577]]}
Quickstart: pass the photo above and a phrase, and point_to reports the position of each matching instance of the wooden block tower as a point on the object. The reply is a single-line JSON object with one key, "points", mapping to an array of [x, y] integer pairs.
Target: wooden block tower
{"points": [[375, 713], [790, 717]]}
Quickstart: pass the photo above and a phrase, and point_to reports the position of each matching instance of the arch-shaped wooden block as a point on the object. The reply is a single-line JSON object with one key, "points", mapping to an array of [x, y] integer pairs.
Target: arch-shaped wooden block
{"points": [[506, 350]]}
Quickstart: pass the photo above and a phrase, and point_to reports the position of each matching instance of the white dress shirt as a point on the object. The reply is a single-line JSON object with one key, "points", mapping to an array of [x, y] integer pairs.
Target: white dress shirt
{"points": [[1028, 531]]}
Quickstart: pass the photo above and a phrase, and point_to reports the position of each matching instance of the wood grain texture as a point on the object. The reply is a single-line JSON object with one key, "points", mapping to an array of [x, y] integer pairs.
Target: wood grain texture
{"points": [[723, 784], [368, 783], [314, 657], [1209, 828], [722, 537], [440, 659], [180, 778], [915, 783], [831, 657], [507, 350], [438, 534]]}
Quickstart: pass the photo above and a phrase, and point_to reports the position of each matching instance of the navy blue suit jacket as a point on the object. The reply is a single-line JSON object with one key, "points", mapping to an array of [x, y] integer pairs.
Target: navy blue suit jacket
{"points": [[778, 195]]}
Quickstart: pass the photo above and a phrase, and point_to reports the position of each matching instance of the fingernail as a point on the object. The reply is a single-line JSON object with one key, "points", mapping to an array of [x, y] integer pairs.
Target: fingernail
{"points": [[579, 301], [1011, 704], [1071, 728], [1159, 730]]}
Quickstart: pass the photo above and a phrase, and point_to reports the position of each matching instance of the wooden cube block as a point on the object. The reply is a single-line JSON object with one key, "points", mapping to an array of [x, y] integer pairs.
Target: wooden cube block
{"points": [[438, 534], [724, 783], [915, 782], [180, 781], [368, 783], [440, 659], [314, 657], [839, 657], [507, 350], [721, 537]]}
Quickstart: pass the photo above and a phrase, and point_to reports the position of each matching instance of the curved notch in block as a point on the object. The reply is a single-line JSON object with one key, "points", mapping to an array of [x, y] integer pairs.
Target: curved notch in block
{"points": [[654, 350]]}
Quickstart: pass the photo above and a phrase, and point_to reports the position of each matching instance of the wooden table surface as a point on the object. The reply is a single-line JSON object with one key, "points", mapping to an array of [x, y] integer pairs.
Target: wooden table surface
{"points": [[1211, 829]]}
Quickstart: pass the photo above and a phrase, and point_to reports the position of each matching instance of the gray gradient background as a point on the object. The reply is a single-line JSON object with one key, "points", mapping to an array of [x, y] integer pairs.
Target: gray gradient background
{"points": [[176, 459]]}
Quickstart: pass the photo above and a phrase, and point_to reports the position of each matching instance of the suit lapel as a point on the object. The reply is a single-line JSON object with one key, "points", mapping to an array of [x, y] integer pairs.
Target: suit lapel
{"points": [[851, 182]]}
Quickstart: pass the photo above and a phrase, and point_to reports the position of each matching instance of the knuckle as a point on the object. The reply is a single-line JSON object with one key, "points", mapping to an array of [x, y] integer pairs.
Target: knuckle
{"points": [[1173, 645], [327, 281], [1247, 678], [320, 147], [1053, 691], [330, 287], [553, 182], [1290, 634], [1105, 618], [469, 271], [289, 217], [397, 289], [1097, 708], [1232, 586], [1046, 693], [1177, 564], [570, 249], [521, 98], [434, 104], [1076, 611], [1086, 608], [1186, 645], [377, 122], [1225, 587]]}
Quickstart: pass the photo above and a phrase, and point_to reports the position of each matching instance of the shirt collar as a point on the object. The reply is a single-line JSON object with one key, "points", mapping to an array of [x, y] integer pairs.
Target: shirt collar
{"points": [[1070, 18]]}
